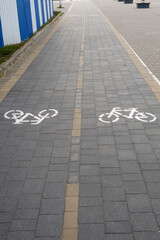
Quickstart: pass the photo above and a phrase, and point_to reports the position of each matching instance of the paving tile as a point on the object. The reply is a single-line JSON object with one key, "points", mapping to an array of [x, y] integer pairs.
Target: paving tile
{"points": [[135, 187], [139, 203], [49, 226], [146, 235], [111, 181], [153, 189], [23, 225], [90, 231], [117, 227], [26, 214], [52, 206], [30, 201], [90, 215], [18, 235], [54, 190], [143, 222], [33, 186], [116, 211], [113, 194], [89, 190]]}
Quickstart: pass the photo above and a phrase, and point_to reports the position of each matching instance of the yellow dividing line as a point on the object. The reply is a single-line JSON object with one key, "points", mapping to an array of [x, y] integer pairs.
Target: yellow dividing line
{"points": [[155, 87], [80, 82], [76, 127], [8, 86], [70, 225], [81, 62]]}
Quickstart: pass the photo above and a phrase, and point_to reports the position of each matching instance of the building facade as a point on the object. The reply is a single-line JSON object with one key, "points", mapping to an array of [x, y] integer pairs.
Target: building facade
{"points": [[19, 19]]}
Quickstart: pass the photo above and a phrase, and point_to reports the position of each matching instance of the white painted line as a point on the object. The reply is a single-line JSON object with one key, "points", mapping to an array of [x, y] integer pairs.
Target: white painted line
{"points": [[147, 68]]}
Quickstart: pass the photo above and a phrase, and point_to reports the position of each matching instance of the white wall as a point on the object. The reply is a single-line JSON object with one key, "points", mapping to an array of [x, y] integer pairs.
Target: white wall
{"points": [[34, 23], [40, 12], [10, 22]]}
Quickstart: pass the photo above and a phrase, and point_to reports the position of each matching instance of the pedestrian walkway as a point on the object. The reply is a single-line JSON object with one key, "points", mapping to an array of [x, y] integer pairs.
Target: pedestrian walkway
{"points": [[80, 140]]}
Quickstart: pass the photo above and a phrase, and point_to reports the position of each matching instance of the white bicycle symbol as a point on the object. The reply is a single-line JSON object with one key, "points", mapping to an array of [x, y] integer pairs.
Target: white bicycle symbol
{"points": [[116, 112], [20, 117]]}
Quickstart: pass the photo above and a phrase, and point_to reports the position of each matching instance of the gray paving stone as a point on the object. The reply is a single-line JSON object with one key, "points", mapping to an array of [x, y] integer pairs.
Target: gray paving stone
{"points": [[89, 179], [151, 176], [33, 186], [89, 159], [156, 205], [125, 236], [11, 189], [30, 201], [129, 167], [111, 181], [49, 226], [52, 206], [90, 202], [117, 227], [90, 215], [89, 190], [132, 177], [127, 155], [86, 170], [57, 176], [26, 214], [143, 222], [139, 203], [19, 235], [146, 235], [23, 225], [113, 194], [54, 190], [6, 217], [43, 151], [109, 162], [35, 172], [39, 162], [153, 189], [16, 174], [91, 231], [135, 187], [116, 211]]}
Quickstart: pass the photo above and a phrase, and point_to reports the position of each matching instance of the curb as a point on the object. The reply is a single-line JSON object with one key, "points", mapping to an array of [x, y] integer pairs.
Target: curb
{"points": [[6, 65]]}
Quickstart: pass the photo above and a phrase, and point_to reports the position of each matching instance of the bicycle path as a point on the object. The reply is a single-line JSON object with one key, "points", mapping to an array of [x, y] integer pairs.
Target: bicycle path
{"points": [[73, 176]]}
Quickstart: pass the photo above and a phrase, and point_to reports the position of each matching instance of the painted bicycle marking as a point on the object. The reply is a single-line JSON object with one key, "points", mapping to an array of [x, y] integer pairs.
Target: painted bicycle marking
{"points": [[118, 112], [20, 117]]}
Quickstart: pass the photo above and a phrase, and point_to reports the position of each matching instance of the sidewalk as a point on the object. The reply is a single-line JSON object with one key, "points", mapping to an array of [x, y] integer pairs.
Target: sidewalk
{"points": [[66, 170]]}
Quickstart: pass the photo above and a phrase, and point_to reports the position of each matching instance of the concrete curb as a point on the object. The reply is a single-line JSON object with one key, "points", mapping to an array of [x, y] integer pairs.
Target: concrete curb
{"points": [[6, 65]]}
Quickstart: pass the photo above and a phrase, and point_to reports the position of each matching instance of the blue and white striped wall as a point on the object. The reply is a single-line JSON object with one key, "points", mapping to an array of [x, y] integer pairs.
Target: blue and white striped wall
{"points": [[21, 18]]}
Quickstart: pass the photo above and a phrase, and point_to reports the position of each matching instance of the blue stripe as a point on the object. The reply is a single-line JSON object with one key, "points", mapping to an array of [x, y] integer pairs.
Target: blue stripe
{"points": [[37, 13], [43, 18], [47, 10], [50, 8], [28, 16], [1, 35], [22, 20]]}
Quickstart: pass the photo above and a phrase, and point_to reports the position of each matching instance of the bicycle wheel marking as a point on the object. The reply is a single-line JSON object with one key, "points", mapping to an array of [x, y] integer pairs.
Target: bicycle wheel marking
{"points": [[20, 117], [130, 113]]}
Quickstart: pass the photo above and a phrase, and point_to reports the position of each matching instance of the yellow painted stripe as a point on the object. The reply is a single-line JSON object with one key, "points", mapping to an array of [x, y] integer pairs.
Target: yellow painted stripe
{"points": [[81, 61], [70, 225], [76, 127], [79, 82]]}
